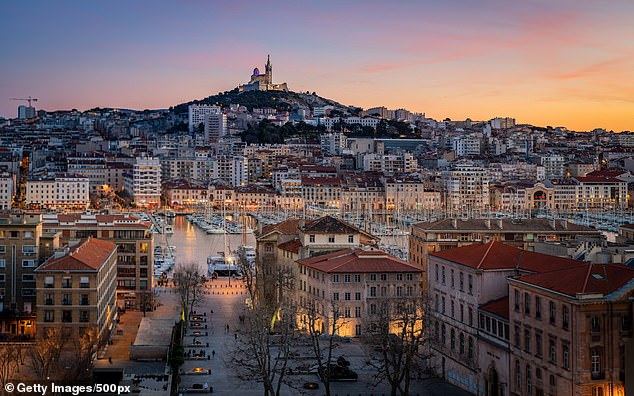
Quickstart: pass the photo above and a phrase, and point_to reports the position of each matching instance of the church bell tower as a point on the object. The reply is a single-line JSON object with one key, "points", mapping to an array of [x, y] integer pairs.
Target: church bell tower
{"points": [[268, 71]]}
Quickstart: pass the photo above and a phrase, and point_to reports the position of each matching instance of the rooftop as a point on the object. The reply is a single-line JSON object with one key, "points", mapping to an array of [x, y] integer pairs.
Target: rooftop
{"points": [[499, 307], [503, 225], [89, 255], [355, 261]]}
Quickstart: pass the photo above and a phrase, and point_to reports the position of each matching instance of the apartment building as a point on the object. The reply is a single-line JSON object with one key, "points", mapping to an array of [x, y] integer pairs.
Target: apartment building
{"points": [[19, 256], [466, 188], [135, 253], [103, 173], [322, 191], [7, 188], [198, 113], [351, 286], [143, 183], [76, 289], [468, 294], [390, 163], [570, 337], [63, 191], [404, 194], [185, 193], [426, 238]]}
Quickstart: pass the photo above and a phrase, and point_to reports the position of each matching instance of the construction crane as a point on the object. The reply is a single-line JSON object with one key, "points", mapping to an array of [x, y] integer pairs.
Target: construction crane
{"points": [[29, 99]]}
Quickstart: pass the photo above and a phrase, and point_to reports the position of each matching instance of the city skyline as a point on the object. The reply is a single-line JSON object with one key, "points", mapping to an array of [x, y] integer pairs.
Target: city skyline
{"points": [[569, 64]]}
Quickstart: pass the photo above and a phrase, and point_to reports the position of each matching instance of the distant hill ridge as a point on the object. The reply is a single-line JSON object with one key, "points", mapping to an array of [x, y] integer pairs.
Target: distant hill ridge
{"points": [[281, 100]]}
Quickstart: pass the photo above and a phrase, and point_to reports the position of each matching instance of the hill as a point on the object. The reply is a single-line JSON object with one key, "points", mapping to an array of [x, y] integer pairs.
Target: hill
{"points": [[281, 100]]}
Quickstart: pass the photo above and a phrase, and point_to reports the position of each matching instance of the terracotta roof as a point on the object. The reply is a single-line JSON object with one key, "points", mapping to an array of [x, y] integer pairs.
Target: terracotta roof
{"points": [[598, 179], [89, 255], [607, 173], [354, 261], [286, 227], [498, 307], [329, 225], [498, 256], [291, 246], [320, 181], [601, 279], [508, 225]]}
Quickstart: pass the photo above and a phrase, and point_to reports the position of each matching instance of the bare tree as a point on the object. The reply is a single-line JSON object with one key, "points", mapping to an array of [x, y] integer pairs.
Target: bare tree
{"points": [[46, 352], [396, 338], [79, 357], [265, 346], [189, 285], [323, 327], [248, 274], [10, 356]]}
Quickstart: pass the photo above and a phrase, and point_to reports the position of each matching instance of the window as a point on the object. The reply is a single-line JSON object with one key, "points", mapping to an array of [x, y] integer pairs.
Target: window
{"points": [[409, 276], [565, 356], [470, 353], [3, 249], [595, 324], [517, 300], [311, 238], [553, 351], [373, 291], [67, 299], [443, 304], [83, 299], [453, 309], [538, 344], [453, 284], [335, 278], [436, 272], [553, 312], [471, 284], [597, 391], [527, 304], [399, 291], [373, 309], [350, 238], [529, 384], [399, 277], [67, 316], [470, 316], [83, 316], [565, 317], [346, 278], [372, 277], [49, 282], [346, 296], [357, 312], [462, 344], [67, 282], [347, 312], [517, 336], [443, 337], [527, 340], [84, 282], [357, 296], [443, 275], [518, 376], [461, 313], [335, 296], [28, 263], [49, 299], [28, 249], [357, 330], [331, 239], [595, 363], [357, 278], [538, 307], [461, 281], [453, 339], [49, 316], [3, 263]]}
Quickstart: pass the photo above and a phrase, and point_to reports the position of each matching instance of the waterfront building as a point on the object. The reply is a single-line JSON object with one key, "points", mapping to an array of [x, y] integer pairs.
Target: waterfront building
{"points": [[63, 191], [135, 253], [104, 174], [143, 183], [76, 290]]}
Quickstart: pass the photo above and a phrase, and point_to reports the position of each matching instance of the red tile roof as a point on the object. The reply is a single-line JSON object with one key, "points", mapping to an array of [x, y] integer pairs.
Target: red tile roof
{"points": [[89, 255], [355, 261], [498, 307], [320, 181], [601, 279], [292, 246], [497, 256], [607, 173], [598, 179], [286, 227]]}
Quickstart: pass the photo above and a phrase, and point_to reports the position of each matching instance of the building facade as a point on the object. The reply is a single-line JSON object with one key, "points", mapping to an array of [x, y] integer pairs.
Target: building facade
{"points": [[60, 191], [143, 183]]}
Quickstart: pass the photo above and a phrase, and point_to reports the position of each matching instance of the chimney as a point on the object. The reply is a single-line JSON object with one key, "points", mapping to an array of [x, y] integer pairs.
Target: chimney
{"points": [[553, 224], [500, 224], [565, 224], [454, 223], [487, 224]]}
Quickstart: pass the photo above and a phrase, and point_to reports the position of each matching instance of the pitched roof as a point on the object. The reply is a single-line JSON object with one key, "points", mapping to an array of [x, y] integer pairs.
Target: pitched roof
{"points": [[601, 279], [89, 255], [291, 246], [599, 179], [355, 261], [286, 227], [507, 225], [498, 256], [499, 307], [332, 225]]}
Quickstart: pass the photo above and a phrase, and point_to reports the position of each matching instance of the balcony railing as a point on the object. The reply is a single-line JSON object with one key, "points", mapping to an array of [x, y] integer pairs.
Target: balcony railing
{"points": [[597, 375]]}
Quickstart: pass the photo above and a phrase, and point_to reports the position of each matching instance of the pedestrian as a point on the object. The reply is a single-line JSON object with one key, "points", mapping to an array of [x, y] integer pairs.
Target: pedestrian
{"points": [[235, 335], [110, 359], [213, 352]]}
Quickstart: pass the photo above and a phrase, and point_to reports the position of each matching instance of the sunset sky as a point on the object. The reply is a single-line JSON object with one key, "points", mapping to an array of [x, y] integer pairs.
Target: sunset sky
{"points": [[560, 63]]}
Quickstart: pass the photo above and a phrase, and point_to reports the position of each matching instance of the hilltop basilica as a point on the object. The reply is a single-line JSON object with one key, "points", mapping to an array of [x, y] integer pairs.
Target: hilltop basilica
{"points": [[263, 82]]}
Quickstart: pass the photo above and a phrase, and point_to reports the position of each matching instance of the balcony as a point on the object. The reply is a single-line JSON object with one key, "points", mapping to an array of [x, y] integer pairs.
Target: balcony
{"points": [[49, 301]]}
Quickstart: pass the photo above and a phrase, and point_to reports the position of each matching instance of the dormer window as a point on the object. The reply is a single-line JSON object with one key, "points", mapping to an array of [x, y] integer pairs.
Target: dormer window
{"points": [[311, 238], [331, 239]]}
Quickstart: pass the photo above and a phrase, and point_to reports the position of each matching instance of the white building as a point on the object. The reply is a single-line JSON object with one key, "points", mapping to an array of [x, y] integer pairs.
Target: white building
{"points": [[7, 187], [215, 127], [143, 184], [60, 191], [553, 166], [390, 163], [333, 143], [467, 188], [198, 113]]}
